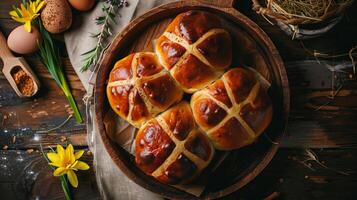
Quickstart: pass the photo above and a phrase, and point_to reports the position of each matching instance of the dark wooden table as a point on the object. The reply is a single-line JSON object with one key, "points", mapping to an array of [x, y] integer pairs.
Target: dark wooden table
{"points": [[317, 159]]}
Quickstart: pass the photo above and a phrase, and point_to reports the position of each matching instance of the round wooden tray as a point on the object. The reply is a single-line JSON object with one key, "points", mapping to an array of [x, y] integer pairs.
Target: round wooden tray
{"points": [[251, 47]]}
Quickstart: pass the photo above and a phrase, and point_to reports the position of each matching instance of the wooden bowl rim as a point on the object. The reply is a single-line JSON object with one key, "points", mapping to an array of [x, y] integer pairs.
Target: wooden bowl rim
{"points": [[275, 60]]}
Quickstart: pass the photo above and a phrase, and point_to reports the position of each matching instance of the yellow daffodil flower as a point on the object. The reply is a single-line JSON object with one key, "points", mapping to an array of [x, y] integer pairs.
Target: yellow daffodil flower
{"points": [[67, 162], [26, 14]]}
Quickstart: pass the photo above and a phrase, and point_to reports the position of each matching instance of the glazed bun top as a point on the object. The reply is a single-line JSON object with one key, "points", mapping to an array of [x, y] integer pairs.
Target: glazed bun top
{"points": [[139, 88], [234, 110], [171, 148], [195, 48]]}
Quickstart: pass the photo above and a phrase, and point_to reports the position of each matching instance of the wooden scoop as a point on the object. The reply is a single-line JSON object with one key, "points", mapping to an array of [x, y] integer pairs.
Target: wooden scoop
{"points": [[12, 63]]}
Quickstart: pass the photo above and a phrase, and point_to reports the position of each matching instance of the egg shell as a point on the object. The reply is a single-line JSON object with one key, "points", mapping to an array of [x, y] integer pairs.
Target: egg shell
{"points": [[23, 42], [56, 16], [82, 5]]}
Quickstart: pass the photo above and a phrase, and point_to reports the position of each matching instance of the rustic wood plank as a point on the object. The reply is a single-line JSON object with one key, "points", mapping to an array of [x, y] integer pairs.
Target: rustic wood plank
{"points": [[26, 118], [7, 25], [50, 95], [307, 128], [23, 140], [30, 176], [317, 121], [6, 6], [286, 178]]}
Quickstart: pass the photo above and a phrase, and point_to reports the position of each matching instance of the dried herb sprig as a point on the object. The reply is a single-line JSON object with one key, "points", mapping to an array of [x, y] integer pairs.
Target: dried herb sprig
{"points": [[106, 20], [308, 157], [306, 9], [297, 12]]}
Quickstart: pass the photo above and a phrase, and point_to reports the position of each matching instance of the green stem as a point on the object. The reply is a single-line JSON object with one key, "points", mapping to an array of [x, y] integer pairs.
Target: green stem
{"points": [[71, 100], [64, 184], [74, 107]]}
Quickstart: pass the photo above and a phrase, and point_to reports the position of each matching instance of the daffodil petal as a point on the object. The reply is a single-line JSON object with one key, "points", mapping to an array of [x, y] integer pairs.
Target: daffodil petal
{"points": [[59, 171], [39, 6], [13, 13], [60, 149], [53, 157], [70, 148], [55, 164], [21, 20], [60, 152], [27, 12], [78, 154], [28, 26], [32, 7], [22, 6], [81, 165], [23, 11], [73, 164], [72, 177], [35, 16], [70, 153]]}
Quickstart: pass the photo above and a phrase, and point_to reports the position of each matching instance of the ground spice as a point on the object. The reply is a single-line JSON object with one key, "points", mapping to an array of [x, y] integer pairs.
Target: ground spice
{"points": [[23, 81]]}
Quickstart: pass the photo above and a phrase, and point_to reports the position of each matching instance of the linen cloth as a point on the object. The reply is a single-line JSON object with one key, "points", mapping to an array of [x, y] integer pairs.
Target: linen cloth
{"points": [[112, 183]]}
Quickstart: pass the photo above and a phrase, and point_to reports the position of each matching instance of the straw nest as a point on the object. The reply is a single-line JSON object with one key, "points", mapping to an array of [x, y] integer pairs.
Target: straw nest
{"points": [[296, 12]]}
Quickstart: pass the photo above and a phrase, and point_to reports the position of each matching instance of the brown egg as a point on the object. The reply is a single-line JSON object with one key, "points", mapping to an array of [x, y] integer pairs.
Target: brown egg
{"points": [[56, 16], [23, 42], [82, 5]]}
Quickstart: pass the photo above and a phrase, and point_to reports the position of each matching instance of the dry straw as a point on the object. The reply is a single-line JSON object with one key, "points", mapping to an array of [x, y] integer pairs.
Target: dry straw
{"points": [[296, 12]]}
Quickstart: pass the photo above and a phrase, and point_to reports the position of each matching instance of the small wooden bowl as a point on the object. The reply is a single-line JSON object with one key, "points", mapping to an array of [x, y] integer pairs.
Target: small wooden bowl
{"points": [[252, 47]]}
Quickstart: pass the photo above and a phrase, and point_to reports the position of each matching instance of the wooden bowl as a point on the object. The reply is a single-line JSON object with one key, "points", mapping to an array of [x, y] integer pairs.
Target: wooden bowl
{"points": [[252, 47]]}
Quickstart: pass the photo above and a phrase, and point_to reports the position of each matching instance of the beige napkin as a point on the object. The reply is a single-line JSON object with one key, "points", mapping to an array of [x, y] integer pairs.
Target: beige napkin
{"points": [[112, 183]]}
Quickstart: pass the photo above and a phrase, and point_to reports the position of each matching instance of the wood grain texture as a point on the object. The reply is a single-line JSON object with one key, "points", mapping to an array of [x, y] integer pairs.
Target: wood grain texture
{"points": [[305, 127], [31, 178], [317, 120], [289, 179], [28, 118]]}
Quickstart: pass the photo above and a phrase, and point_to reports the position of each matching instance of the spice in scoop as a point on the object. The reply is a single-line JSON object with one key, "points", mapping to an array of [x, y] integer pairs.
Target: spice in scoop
{"points": [[23, 81]]}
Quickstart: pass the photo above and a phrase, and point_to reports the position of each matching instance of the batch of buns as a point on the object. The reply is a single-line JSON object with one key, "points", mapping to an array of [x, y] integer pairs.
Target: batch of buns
{"points": [[228, 109]]}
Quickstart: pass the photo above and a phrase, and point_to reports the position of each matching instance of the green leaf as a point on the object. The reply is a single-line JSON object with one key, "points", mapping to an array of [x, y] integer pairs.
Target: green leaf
{"points": [[92, 56], [50, 57], [65, 187], [100, 18], [17, 11]]}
